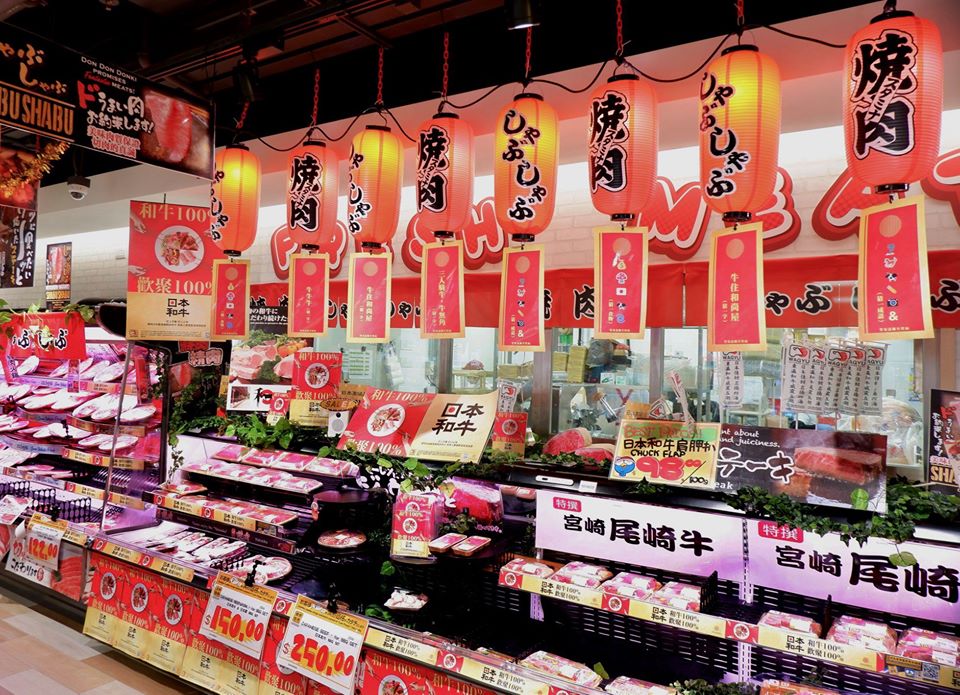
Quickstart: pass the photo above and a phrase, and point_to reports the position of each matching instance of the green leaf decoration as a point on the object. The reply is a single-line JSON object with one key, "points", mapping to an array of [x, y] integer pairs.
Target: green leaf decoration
{"points": [[860, 499], [903, 559]]}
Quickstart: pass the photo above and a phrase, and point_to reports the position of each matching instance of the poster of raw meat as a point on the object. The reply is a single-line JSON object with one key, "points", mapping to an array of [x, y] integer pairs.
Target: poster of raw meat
{"points": [[59, 275], [260, 367], [386, 422], [944, 470], [18, 246], [101, 107], [170, 272], [835, 469]]}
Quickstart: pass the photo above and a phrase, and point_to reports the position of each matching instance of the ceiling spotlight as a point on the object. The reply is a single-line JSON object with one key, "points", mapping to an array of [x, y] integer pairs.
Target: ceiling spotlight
{"points": [[522, 14]]}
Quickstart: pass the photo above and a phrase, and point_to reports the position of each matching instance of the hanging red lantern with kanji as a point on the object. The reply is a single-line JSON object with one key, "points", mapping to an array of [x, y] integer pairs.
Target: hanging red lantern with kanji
{"points": [[893, 99], [525, 166], [376, 175], [444, 174], [311, 193], [622, 150], [739, 131], [235, 199]]}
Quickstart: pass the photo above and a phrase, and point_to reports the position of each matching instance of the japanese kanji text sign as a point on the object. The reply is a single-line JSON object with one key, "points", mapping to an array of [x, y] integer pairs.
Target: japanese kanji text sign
{"points": [[231, 296], [369, 288], [620, 281], [735, 319], [442, 308], [667, 452], [456, 427], [521, 324], [309, 290], [894, 278]]}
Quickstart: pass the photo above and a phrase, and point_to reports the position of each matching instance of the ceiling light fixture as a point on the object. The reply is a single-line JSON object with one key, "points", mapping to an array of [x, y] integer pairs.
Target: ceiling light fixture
{"points": [[522, 14]]}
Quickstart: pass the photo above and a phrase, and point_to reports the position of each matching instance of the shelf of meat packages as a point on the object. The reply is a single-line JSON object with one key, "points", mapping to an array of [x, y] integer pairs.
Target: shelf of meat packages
{"points": [[862, 644]]}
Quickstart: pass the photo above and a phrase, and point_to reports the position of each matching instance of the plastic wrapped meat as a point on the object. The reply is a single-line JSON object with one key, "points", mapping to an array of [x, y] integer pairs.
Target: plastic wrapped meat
{"points": [[791, 623], [232, 453], [529, 567], [773, 687], [868, 634], [634, 686], [686, 597], [926, 645], [482, 501], [630, 585], [562, 668], [445, 542], [582, 574], [403, 600]]}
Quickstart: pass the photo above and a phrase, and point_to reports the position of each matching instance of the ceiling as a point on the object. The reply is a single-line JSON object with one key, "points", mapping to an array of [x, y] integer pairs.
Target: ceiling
{"points": [[197, 45]]}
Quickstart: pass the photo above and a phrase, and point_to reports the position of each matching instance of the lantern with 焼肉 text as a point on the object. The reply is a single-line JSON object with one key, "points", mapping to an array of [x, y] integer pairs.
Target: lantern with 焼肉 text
{"points": [[622, 150], [739, 131], [444, 174], [376, 175], [893, 98], [235, 199], [525, 166], [311, 193]]}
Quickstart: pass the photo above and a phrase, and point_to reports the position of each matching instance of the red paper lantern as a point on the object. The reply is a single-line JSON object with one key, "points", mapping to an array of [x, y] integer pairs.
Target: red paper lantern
{"points": [[739, 131], [525, 166], [444, 174], [893, 98], [376, 175], [235, 199], [622, 149], [311, 193]]}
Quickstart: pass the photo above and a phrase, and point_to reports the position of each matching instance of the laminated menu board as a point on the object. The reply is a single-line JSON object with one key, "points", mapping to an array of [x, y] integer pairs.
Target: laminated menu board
{"points": [[836, 469], [944, 463]]}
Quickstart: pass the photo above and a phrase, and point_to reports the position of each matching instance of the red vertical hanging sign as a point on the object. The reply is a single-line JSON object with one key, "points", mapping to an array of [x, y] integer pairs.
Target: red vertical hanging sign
{"points": [[894, 281], [308, 292], [441, 291], [620, 282], [521, 325], [368, 298], [231, 299], [735, 315]]}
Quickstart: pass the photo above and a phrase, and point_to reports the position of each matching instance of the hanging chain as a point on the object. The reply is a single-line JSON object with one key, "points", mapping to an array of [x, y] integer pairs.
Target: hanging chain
{"points": [[243, 116], [526, 72], [741, 21], [316, 95], [619, 27], [446, 65], [380, 77]]}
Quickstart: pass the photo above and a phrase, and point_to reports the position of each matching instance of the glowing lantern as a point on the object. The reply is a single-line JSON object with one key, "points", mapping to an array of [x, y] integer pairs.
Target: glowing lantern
{"points": [[623, 145], [376, 175], [444, 173], [525, 166], [311, 193], [739, 131], [893, 97], [235, 199]]}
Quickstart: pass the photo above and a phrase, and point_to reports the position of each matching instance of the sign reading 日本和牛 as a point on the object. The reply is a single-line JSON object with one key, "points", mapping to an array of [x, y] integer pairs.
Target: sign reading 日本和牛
{"points": [[861, 575], [640, 534]]}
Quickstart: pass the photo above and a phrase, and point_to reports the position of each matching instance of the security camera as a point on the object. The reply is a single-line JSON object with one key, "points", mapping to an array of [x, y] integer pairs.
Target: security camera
{"points": [[78, 187]]}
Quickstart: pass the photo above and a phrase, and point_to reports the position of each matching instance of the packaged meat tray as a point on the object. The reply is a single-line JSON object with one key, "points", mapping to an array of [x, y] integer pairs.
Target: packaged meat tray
{"points": [[530, 568], [685, 597], [404, 600], [445, 542], [482, 501], [471, 546], [562, 668], [341, 539], [863, 633], [926, 645], [791, 623], [634, 686], [233, 453], [630, 585], [582, 574], [774, 687], [292, 461], [332, 468]]}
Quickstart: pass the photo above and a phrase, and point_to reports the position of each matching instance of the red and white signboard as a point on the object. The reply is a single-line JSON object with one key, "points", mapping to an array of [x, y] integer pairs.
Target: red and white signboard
{"points": [[49, 336], [521, 324], [368, 304], [231, 299], [316, 375], [894, 279], [309, 290], [620, 282], [442, 309], [735, 304]]}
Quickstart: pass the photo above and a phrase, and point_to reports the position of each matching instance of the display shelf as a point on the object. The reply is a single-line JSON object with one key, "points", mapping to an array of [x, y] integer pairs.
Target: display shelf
{"points": [[104, 461], [79, 385], [134, 430], [258, 486], [212, 525]]}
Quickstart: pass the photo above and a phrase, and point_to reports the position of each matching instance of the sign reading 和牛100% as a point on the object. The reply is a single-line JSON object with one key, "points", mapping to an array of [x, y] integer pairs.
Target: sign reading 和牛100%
{"points": [[667, 452], [237, 615], [323, 646]]}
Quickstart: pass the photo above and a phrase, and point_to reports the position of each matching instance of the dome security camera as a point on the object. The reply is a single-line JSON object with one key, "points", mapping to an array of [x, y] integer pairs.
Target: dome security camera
{"points": [[78, 187]]}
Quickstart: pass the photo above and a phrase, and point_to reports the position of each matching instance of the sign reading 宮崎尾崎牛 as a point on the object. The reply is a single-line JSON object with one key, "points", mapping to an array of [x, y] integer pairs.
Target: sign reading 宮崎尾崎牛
{"points": [[54, 92], [861, 575], [667, 452], [640, 534]]}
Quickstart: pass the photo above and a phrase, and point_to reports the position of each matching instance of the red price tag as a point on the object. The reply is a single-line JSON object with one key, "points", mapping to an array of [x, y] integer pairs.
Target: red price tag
{"points": [[237, 615], [323, 646]]}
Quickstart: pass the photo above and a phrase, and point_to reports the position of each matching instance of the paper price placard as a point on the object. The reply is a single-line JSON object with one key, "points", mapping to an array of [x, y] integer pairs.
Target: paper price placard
{"points": [[237, 615], [43, 543], [323, 646]]}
